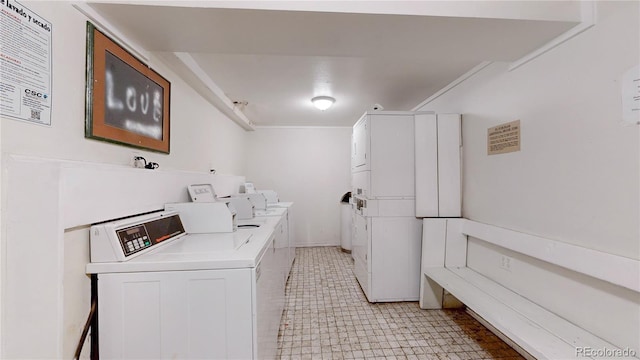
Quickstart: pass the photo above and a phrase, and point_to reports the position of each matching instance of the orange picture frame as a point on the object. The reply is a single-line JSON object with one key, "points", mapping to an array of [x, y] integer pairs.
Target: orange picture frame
{"points": [[127, 102]]}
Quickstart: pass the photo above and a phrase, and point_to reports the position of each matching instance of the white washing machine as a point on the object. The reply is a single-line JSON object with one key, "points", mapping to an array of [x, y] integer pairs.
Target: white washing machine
{"points": [[282, 210], [166, 294]]}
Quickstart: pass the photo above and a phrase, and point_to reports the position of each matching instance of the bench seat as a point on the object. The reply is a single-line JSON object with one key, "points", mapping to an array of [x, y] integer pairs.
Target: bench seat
{"points": [[537, 331]]}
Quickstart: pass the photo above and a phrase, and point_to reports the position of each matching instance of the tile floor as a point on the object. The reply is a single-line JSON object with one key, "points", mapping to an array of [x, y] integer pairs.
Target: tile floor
{"points": [[327, 316]]}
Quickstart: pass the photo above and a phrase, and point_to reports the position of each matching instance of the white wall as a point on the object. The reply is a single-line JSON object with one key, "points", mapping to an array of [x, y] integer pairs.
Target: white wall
{"points": [[201, 138], [576, 178], [309, 166]]}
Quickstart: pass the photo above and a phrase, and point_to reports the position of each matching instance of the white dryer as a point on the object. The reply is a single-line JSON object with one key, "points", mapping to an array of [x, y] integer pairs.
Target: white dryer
{"points": [[163, 293]]}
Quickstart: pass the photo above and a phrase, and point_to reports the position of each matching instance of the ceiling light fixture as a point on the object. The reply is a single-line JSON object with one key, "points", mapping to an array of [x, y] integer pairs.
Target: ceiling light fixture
{"points": [[323, 102]]}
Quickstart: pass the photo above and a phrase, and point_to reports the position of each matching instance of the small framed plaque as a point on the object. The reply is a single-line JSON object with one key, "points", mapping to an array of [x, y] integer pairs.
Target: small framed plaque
{"points": [[503, 138]]}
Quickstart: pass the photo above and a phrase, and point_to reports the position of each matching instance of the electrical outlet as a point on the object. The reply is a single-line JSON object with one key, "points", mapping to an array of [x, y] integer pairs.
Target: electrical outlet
{"points": [[505, 263]]}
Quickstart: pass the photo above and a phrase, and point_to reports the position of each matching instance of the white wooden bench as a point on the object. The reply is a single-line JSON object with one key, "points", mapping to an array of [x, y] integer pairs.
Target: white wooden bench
{"points": [[535, 331]]}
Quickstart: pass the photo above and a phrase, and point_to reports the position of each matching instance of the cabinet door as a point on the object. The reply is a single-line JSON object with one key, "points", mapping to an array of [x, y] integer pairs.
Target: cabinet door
{"points": [[360, 145], [426, 166], [437, 165], [177, 314], [449, 172]]}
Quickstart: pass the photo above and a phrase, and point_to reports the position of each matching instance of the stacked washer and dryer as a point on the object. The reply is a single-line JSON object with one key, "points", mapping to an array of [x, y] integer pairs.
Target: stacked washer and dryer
{"points": [[405, 166]]}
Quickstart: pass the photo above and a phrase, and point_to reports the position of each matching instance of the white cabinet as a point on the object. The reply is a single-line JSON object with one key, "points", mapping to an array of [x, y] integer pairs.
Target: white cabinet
{"points": [[437, 165]]}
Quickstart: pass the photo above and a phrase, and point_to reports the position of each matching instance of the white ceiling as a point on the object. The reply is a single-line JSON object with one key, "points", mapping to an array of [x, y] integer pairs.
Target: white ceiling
{"points": [[277, 60]]}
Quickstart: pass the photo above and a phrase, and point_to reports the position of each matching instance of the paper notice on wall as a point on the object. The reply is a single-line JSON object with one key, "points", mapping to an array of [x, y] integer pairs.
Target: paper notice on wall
{"points": [[631, 96], [25, 64], [503, 138]]}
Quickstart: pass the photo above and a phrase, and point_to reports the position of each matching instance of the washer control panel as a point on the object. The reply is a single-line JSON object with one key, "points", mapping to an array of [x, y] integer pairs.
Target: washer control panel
{"points": [[134, 239], [123, 239]]}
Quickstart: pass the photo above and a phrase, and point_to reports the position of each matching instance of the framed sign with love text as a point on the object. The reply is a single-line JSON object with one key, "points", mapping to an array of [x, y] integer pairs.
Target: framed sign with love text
{"points": [[127, 102]]}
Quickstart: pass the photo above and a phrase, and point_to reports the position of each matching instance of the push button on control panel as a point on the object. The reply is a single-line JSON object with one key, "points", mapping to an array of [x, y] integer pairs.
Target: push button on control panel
{"points": [[134, 239]]}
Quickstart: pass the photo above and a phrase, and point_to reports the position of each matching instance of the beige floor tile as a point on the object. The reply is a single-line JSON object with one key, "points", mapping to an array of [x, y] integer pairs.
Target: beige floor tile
{"points": [[327, 316]]}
